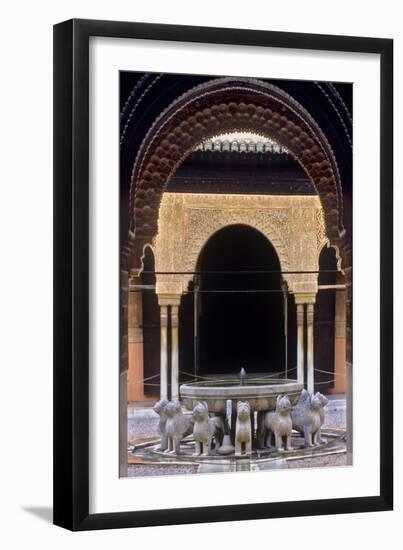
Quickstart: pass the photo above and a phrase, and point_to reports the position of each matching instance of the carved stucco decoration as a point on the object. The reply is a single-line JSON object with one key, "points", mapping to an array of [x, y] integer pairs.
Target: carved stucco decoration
{"points": [[293, 225], [223, 105]]}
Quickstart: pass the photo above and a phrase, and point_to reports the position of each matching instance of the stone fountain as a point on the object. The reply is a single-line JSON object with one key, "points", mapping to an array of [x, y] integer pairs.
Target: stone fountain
{"points": [[241, 424], [223, 397]]}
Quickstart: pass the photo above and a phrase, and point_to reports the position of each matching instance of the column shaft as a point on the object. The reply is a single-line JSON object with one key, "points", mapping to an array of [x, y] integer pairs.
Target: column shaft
{"points": [[136, 375], [164, 353], [175, 354], [310, 358], [300, 343], [340, 343], [285, 311]]}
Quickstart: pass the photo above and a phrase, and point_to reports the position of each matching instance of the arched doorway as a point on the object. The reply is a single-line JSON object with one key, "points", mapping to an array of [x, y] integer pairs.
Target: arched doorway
{"points": [[240, 312]]}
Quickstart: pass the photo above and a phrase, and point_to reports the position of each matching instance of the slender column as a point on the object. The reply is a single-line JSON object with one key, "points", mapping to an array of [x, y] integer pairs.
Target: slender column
{"points": [[285, 311], [300, 342], [339, 343], [174, 354], [135, 387], [196, 329], [310, 361], [164, 353]]}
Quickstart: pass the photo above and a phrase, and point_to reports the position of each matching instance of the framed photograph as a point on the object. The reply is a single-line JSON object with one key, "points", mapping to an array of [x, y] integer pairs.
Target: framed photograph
{"points": [[223, 317]]}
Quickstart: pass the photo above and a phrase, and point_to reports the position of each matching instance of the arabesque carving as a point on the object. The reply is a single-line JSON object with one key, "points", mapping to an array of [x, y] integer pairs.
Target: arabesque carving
{"points": [[293, 225]]}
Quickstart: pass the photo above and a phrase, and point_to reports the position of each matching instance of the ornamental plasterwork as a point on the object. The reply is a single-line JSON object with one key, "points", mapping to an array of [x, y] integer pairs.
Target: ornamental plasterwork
{"points": [[293, 224]]}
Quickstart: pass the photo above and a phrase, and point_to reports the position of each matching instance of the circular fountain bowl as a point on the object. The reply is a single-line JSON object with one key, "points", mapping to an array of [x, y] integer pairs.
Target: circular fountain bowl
{"points": [[262, 395]]}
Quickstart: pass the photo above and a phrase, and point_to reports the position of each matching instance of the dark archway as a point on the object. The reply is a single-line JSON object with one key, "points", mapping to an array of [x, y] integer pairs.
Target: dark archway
{"points": [[240, 324]]}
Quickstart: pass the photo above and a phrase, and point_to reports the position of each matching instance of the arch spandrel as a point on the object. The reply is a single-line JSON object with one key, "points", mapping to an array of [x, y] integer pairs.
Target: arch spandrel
{"points": [[188, 220]]}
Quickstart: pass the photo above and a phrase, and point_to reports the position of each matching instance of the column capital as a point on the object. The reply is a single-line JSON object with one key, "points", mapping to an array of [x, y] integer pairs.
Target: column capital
{"points": [[305, 298], [169, 299]]}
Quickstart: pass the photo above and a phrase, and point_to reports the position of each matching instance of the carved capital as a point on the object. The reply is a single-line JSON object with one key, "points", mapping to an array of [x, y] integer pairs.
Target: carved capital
{"points": [[169, 289], [305, 297], [169, 299]]}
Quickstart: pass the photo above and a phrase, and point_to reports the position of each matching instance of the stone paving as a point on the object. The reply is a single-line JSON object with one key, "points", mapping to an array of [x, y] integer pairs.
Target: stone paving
{"points": [[141, 425], [319, 461], [135, 470]]}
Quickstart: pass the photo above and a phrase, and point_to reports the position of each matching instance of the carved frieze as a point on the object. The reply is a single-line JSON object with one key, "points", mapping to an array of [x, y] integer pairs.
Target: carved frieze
{"points": [[293, 224]]}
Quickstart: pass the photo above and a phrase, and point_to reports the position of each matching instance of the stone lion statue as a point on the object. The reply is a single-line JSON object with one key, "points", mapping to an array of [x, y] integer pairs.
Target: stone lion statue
{"points": [[243, 429], [279, 424], [206, 429], [178, 426], [323, 402], [159, 408], [306, 418]]}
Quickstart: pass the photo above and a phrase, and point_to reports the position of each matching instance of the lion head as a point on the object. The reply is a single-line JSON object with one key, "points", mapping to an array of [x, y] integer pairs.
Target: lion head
{"points": [[200, 411], [243, 410], [283, 404], [172, 408], [316, 402], [160, 405], [322, 398]]}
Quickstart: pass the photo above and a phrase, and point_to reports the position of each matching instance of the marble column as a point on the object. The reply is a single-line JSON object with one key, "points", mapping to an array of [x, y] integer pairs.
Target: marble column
{"points": [[300, 343], [285, 313], [339, 343], [196, 329], [135, 382], [174, 353], [310, 358], [164, 353]]}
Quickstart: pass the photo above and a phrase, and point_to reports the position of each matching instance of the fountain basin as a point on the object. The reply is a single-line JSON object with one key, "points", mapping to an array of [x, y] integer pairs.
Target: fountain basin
{"points": [[261, 394]]}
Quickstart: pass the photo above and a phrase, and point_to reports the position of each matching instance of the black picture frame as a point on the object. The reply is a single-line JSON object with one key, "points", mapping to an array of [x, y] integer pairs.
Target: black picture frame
{"points": [[71, 274]]}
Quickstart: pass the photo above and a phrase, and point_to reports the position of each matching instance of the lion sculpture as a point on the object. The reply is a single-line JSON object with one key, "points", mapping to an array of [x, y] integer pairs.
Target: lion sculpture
{"points": [[243, 429], [159, 408], [323, 402], [279, 424], [178, 426], [206, 430], [306, 418]]}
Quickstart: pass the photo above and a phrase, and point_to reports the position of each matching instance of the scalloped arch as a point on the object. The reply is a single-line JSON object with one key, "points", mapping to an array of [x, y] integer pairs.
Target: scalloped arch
{"points": [[224, 105]]}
